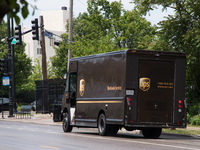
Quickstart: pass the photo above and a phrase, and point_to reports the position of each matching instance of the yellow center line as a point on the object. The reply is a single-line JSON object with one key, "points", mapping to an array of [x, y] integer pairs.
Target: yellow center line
{"points": [[49, 147]]}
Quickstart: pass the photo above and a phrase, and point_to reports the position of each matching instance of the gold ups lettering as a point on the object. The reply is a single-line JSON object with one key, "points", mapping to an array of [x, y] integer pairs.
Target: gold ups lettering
{"points": [[114, 88], [82, 87], [144, 84], [165, 85]]}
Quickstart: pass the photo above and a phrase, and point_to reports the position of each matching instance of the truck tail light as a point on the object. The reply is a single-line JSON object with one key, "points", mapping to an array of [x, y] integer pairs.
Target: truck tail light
{"points": [[129, 101], [180, 105]]}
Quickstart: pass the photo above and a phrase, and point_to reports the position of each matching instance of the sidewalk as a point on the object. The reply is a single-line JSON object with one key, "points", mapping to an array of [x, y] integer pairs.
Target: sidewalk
{"points": [[35, 118]]}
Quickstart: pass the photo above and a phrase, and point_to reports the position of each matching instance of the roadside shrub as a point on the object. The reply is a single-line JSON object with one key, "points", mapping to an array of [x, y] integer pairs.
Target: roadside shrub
{"points": [[195, 120], [193, 110], [188, 118], [25, 97]]}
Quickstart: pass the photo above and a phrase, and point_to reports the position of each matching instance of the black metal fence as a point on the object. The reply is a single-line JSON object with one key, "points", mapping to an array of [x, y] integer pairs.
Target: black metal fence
{"points": [[48, 93]]}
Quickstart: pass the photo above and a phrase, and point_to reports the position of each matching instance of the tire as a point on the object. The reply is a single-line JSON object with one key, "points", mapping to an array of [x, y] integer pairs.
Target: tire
{"points": [[114, 130], [152, 133], [129, 128], [103, 128], [66, 123]]}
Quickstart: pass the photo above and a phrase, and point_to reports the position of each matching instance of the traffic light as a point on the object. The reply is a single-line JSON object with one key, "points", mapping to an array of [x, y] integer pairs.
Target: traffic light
{"points": [[35, 29], [18, 35], [56, 43], [4, 66]]}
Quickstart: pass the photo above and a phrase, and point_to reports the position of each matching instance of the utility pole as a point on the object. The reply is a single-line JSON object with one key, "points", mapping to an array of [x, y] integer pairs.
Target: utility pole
{"points": [[44, 64], [44, 67], [70, 31]]}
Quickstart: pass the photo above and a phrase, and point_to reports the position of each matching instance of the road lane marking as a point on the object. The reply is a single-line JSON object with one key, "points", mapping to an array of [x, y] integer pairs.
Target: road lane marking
{"points": [[49, 147]]}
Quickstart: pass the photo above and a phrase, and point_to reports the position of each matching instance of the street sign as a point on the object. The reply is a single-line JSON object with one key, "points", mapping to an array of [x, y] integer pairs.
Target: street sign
{"points": [[14, 41], [6, 81]]}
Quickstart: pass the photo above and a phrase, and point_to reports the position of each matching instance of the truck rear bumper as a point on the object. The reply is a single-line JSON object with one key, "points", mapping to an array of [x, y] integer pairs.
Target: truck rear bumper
{"points": [[156, 126]]}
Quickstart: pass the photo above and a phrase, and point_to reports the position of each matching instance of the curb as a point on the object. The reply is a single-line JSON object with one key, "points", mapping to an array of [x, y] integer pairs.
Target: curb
{"points": [[33, 122]]}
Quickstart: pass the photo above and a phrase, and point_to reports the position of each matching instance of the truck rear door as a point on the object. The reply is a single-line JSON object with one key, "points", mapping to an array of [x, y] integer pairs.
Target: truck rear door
{"points": [[156, 94]]}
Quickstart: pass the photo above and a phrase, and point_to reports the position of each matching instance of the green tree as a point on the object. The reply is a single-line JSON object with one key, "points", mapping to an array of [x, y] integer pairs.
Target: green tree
{"points": [[128, 28], [105, 27], [37, 74], [23, 65], [13, 8], [59, 61], [180, 32]]}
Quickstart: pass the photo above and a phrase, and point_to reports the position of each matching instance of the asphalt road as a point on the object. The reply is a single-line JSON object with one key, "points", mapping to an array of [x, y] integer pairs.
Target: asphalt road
{"points": [[26, 136]]}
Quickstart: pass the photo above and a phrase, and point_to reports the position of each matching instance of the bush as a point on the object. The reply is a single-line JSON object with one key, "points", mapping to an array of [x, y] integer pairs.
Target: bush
{"points": [[195, 120], [188, 118], [25, 97], [193, 110]]}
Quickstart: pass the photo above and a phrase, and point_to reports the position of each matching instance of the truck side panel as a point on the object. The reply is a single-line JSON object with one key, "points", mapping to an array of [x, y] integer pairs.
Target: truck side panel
{"points": [[100, 88]]}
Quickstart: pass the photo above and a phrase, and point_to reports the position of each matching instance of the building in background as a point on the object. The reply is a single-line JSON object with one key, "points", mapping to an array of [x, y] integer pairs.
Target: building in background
{"points": [[55, 22]]}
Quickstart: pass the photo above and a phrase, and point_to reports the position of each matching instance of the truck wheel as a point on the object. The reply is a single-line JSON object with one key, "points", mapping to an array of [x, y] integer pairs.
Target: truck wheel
{"points": [[129, 128], [103, 128], [153, 133], [66, 123], [114, 130]]}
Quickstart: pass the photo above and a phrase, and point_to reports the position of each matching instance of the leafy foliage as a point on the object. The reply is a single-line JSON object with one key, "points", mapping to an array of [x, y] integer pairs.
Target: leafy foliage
{"points": [[180, 32], [13, 7], [195, 120], [193, 110], [23, 65], [105, 27], [37, 75]]}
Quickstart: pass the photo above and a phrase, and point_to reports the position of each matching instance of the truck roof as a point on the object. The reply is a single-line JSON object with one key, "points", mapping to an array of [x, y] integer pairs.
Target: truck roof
{"points": [[130, 51]]}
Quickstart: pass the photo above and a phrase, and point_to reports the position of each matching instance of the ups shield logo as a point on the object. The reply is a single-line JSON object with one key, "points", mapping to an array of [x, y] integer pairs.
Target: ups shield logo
{"points": [[144, 84], [82, 87]]}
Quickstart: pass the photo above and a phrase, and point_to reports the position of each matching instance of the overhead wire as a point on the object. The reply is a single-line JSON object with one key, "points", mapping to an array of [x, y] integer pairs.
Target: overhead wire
{"points": [[82, 3]]}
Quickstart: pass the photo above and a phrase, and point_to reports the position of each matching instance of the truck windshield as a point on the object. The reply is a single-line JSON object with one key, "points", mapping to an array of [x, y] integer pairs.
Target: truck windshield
{"points": [[73, 82]]}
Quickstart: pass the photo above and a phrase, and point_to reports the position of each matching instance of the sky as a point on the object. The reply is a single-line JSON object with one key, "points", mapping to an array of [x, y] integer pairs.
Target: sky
{"points": [[80, 6]]}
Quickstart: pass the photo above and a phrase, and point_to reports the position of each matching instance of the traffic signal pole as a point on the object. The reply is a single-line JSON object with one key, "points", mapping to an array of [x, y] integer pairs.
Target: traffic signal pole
{"points": [[2, 100], [13, 70], [9, 71]]}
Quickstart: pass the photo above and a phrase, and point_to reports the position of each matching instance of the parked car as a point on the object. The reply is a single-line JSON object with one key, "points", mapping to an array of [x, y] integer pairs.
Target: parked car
{"points": [[5, 104]]}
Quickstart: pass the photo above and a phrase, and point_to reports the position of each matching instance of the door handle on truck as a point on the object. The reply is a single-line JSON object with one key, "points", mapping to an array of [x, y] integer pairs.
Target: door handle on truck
{"points": [[185, 103]]}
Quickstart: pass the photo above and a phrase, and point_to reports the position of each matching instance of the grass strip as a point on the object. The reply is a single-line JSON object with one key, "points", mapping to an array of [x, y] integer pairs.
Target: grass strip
{"points": [[182, 131]]}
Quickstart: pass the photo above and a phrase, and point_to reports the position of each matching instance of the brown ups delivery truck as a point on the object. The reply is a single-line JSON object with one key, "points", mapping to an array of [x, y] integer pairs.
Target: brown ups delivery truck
{"points": [[131, 89]]}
